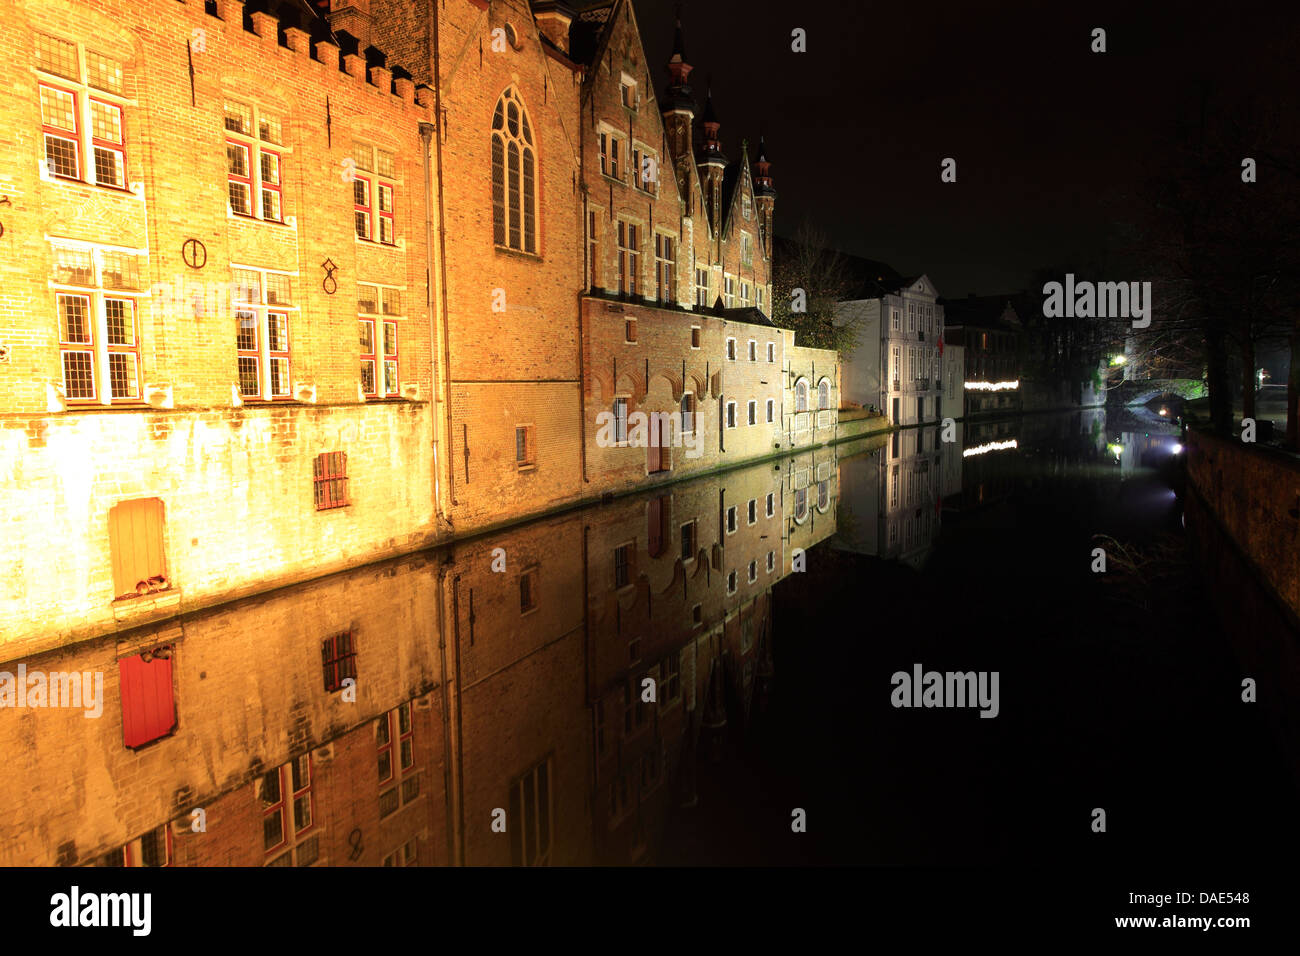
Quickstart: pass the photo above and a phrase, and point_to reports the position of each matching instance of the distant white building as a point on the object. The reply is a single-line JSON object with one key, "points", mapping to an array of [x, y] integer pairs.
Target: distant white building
{"points": [[895, 366]]}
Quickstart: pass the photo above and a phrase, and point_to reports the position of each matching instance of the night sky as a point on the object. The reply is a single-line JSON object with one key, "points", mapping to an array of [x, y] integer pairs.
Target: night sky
{"points": [[1051, 140]]}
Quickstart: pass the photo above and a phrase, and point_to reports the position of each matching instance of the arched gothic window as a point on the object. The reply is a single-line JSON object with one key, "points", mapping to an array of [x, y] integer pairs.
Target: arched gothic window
{"points": [[801, 395], [824, 394], [514, 176]]}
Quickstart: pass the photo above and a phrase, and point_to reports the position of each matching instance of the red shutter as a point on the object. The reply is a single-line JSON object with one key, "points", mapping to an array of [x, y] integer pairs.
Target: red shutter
{"points": [[654, 520], [148, 707]]}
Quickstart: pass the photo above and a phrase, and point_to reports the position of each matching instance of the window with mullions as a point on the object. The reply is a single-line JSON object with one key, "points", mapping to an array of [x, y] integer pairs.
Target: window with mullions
{"points": [[253, 163], [514, 176], [629, 257], [530, 817], [399, 780], [665, 268], [95, 302], [338, 655], [263, 304], [330, 480], [81, 94], [288, 812], [701, 288], [373, 192]]}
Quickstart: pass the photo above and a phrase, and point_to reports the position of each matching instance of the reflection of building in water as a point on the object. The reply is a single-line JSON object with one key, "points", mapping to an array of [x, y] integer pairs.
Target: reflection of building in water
{"points": [[504, 674], [893, 496]]}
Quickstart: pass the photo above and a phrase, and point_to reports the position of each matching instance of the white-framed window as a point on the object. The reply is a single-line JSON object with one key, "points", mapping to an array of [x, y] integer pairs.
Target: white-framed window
{"points": [[771, 351], [731, 349], [824, 394], [771, 410], [620, 421], [911, 317], [744, 295], [610, 151], [665, 268], [895, 320], [728, 291], [801, 395], [753, 351], [263, 303], [746, 248], [897, 364], [593, 249], [751, 510], [731, 414], [823, 494], [731, 583], [731, 520], [753, 412], [800, 504], [771, 503], [645, 171], [695, 337], [746, 205], [82, 99], [629, 256], [688, 413], [702, 288], [753, 571], [254, 153], [379, 312], [95, 294], [771, 561], [374, 190], [759, 290], [514, 176]]}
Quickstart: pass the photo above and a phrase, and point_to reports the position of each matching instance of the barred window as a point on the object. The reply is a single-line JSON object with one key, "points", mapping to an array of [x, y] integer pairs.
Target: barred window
{"points": [[514, 178], [338, 656], [330, 480]]}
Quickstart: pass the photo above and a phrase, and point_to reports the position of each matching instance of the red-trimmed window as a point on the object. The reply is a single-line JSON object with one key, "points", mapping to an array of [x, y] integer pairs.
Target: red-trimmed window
{"points": [[289, 811], [249, 353], [330, 480], [362, 212], [148, 701], [368, 358], [262, 337], [98, 332], [272, 207], [338, 655], [109, 143], [61, 130], [390, 358], [277, 345], [387, 234], [83, 131], [239, 177], [253, 169], [399, 780]]}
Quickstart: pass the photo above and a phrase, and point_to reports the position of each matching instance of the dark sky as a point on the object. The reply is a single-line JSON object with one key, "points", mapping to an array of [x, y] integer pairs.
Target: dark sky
{"points": [[1050, 139]]}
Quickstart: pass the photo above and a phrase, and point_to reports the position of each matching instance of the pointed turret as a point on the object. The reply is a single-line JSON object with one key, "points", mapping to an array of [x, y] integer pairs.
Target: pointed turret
{"points": [[712, 162], [764, 194], [679, 108]]}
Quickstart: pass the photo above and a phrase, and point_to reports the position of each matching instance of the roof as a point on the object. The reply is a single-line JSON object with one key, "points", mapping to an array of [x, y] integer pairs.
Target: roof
{"points": [[748, 314], [980, 311]]}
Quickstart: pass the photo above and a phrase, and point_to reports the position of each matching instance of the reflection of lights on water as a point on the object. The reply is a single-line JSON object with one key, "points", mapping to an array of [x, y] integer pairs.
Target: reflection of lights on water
{"points": [[993, 386], [1116, 449], [987, 447], [1164, 411], [1118, 360]]}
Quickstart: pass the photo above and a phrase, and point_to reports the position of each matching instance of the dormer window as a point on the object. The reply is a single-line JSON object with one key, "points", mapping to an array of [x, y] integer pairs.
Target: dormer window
{"points": [[627, 91]]}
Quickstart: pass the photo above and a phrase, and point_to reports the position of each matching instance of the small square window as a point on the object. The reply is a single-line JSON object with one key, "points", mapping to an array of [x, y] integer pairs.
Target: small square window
{"points": [[753, 510], [524, 446]]}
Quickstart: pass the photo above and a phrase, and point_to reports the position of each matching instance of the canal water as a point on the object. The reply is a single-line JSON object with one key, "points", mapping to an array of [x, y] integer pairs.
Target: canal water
{"points": [[703, 674], [1118, 689]]}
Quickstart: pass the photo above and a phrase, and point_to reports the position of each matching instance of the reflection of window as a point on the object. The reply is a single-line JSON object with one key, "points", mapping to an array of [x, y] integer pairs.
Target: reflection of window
{"points": [[823, 495], [514, 179], [330, 480], [800, 504], [622, 565], [688, 541], [688, 413]]}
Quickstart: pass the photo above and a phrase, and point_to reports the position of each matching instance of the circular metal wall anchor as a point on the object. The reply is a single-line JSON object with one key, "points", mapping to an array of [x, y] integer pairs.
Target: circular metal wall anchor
{"points": [[195, 253]]}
